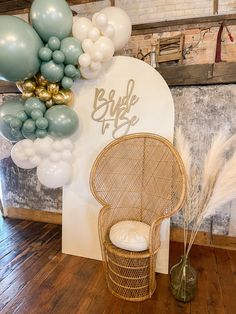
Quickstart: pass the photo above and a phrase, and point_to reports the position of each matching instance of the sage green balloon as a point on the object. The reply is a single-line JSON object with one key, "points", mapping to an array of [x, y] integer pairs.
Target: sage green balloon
{"points": [[51, 18], [10, 107], [19, 46], [33, 103], [71, 47], [63, 121], [52, 71]]}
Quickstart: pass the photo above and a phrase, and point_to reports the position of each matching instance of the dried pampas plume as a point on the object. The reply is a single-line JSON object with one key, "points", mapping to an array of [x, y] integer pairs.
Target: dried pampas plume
{"points": [[213, 188]]}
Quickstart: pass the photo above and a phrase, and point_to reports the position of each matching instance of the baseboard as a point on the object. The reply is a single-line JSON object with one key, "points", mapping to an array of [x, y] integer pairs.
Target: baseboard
{"points": [[206, 239], [33, 215]]}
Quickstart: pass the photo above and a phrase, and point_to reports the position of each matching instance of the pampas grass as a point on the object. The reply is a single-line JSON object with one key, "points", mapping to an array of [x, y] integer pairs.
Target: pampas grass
{"points": [[212, 188]]}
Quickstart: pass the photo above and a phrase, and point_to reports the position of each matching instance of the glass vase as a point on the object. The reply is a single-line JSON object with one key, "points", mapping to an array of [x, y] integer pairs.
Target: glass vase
{"points": [[183, 280]]}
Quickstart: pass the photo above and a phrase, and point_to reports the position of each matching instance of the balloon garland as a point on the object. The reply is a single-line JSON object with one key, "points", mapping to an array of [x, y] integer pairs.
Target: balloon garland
{"points": [[44, 59]]}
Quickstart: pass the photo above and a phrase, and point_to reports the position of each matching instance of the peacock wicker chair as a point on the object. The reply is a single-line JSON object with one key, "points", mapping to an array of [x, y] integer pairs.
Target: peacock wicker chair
{"points": [[136, 177]]}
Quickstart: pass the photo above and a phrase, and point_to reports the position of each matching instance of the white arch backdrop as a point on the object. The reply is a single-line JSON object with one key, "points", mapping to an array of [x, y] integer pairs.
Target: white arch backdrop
{"points": [[147, 106]]}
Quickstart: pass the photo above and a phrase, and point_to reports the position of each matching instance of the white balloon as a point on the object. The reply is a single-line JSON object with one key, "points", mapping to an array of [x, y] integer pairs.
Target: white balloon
{"points": [[95, 66], [26, 143], [54, 175], [109, 31], [57, 146], [81, 27], [18, 157], [55, 156], [101, 20], [67, 155], [122, 25], [94, 34], [96, 56], [84, 60], [88, 74], [43, 145], [105, 46], [87, 45], [35, 160], [29, 152], [67, 144], [94, 17]]}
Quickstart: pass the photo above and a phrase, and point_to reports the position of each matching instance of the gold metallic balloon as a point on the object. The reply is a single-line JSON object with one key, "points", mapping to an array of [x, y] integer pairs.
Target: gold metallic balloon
{"points": [[44, 95], [41, 80], [69, 96], [59, 99], [29, 85], [53, 88], [49, 103], [39, 90], [26, 95]]}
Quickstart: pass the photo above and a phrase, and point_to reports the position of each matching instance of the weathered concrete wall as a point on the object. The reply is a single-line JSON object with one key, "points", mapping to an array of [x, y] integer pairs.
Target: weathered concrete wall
{"points": [[202, 111], [20, 188]]}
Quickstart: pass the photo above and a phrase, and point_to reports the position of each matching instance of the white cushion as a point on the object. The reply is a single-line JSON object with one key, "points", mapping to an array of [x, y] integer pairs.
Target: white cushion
{"points": [[130, 235]]}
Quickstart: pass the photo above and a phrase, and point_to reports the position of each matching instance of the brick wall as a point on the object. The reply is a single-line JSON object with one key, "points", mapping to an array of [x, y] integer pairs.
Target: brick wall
{"points": [[148, 11], [199, 47]]}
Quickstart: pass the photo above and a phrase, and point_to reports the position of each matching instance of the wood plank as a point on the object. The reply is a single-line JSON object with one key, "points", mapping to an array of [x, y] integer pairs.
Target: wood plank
{"points": [[17, 281], [199, 74], [206, 239], [183, 24], [19, 7], [82, 284], [232, 256], [8, 87], [227, 282], [208, 298], [13, 260], [185, 75], [215, 6], [34, 215], [58, 283], [9, 227]]}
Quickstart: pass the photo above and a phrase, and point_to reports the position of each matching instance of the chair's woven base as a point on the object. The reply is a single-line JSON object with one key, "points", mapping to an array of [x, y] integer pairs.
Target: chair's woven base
{"points": [[128, 274]]}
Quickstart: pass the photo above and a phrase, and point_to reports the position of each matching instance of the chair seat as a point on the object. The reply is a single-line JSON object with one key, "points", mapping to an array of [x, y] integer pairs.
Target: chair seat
{"points": [[131, 235]]}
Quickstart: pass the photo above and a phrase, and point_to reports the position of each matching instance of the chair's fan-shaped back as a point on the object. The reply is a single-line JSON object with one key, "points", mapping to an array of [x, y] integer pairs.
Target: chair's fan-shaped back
{"points": [[141, 175]]}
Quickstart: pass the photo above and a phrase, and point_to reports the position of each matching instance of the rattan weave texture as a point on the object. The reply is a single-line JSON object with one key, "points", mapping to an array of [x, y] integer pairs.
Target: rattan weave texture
{"points": [[136, 177]]}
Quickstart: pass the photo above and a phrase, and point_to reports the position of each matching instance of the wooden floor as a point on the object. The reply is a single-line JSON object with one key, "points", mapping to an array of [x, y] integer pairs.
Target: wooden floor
{"points": [[36, 278]]}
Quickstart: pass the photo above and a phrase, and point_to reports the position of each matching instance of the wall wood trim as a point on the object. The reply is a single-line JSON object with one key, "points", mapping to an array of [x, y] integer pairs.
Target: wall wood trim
{"points": [[199, 74], [183, 24], [13, 7], [33, 215], [8, 87], [206, 239]]}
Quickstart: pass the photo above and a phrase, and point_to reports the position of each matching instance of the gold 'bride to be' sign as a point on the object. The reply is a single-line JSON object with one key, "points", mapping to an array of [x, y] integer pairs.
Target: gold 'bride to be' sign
{"points": [[113, 112]]}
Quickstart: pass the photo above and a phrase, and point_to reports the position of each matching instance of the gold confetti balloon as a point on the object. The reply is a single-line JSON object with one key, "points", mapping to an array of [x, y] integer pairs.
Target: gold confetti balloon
{"points": [[26, 95], [44, 95], [40, 80], [58, 99], [49, 103], [50, 93], [53, 88], [29, 85], [68, 95]]}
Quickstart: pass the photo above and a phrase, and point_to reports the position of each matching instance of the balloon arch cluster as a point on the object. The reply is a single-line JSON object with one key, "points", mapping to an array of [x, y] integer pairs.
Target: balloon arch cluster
{"points": [[44, 58]]}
